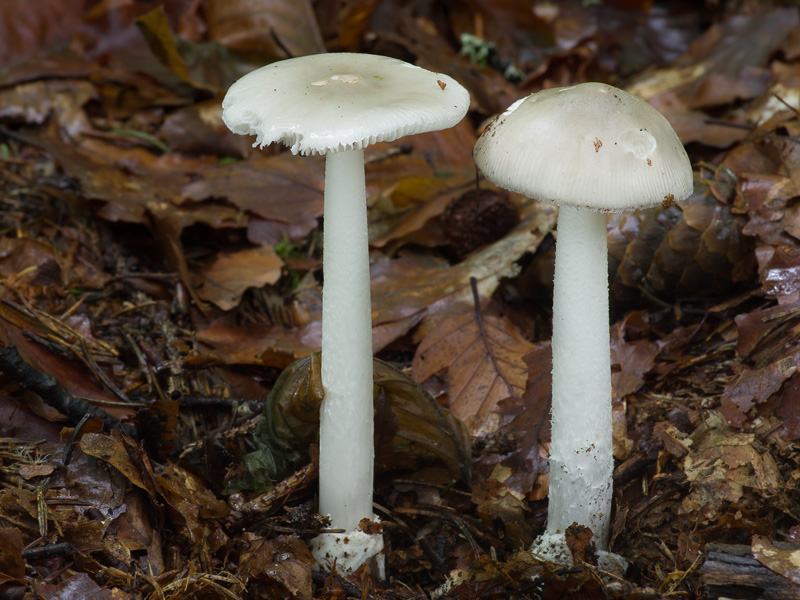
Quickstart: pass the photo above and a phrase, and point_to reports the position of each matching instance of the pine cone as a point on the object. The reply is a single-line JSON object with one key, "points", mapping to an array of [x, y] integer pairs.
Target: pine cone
{"points": [[688, 250]]}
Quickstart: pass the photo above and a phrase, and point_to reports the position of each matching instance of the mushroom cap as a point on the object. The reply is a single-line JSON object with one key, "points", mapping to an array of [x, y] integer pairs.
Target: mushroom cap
{"points": [[590, 145], [341, 101]]}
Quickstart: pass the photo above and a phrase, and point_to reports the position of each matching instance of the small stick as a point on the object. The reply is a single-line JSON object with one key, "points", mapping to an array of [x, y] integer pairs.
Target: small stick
{"points": [[52, 393]]}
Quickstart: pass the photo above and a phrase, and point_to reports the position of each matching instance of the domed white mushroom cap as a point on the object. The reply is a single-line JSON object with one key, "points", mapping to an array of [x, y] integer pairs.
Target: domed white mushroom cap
{"points": [[590, 145], [340, 101]]}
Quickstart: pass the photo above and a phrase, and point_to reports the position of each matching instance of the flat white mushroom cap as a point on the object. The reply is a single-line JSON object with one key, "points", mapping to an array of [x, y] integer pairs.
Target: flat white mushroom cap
{"points": [[341, 101], [590, 145]]}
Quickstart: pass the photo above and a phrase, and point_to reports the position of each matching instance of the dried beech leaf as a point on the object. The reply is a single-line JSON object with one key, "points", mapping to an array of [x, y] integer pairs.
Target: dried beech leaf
{"points": [[268, 345], [12, 567], [634, 359], [483, 363], [224, 279], [112, 451]]}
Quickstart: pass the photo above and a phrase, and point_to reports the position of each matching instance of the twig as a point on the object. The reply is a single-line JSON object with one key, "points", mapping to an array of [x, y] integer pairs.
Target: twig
{"points": [[52, 393]]}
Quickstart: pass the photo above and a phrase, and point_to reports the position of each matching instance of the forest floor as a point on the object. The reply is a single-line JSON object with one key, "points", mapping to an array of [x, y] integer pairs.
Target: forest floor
{"points": [[157, 274]]}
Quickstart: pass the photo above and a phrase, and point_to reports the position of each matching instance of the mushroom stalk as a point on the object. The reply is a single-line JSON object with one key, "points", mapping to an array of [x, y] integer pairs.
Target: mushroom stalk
{"points": [[581, 457], [346, 417]]}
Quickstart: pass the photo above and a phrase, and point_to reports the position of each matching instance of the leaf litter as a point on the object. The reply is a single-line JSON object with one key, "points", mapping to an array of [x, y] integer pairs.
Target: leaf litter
{"points": [[166, 274]]}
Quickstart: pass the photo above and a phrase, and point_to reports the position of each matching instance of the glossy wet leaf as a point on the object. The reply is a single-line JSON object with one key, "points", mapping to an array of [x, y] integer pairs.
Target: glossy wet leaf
{"points": [[410, 426]]}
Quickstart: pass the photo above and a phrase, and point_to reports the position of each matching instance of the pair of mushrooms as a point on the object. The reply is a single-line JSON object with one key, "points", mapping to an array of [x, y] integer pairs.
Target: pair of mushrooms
{"points": [[588, 148]]}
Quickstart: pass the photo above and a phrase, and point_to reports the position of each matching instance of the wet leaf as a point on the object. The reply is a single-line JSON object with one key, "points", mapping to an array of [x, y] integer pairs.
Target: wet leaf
{"points": [[156, 31], [786, 407], [112, 451], [579, 542], [192, 501], [78, 585], [725, 63], [528, 420], [410, 426], [25, 32], [12, 567], [268, 345]]}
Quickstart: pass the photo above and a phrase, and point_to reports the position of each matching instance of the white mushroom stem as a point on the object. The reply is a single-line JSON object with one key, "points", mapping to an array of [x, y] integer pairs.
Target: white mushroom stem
{"points": [[346, 459], [581, 458]]}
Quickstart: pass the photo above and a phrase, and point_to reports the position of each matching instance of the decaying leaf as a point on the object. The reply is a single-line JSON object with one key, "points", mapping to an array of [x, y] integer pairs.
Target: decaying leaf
{"points": [[276, 28], [269, 345], [783, 560], [724, 466], [528, 420]]}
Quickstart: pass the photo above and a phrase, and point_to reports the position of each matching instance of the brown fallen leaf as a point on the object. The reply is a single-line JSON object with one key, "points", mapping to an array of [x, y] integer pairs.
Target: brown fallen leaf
{"points": [[275, 568], [276, 28], [788, 409], [255, 344], [579, 542], [630, 361], [723, 466], [482, 358], [12, 567], [783, 560], [226, 277], [528, 420], [726, 63], [408, 289], [754, 386]]}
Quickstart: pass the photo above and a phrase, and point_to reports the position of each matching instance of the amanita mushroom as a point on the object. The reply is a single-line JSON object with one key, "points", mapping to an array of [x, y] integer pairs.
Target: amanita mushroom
{"points": [[591, 149], [337, 104]]}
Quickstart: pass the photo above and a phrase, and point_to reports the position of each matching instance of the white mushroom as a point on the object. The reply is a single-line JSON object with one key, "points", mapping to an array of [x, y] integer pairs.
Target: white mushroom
{"points": [[337, 104], [591, 149]]}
